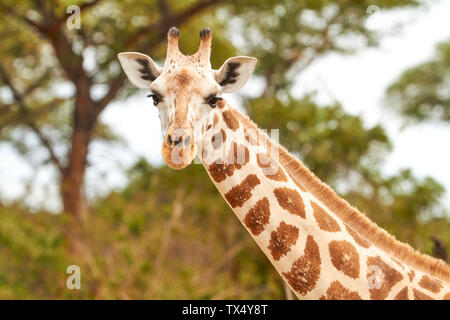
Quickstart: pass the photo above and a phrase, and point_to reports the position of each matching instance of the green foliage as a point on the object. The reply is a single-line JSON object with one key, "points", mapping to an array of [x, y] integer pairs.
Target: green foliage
{"points": [[402, 204], [422, 92], [170, 235], [133, 247], [32, 255]]}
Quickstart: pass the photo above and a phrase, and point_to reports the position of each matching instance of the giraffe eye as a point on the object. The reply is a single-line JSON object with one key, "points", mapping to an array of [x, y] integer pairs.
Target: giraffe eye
{"points": [[212, 101], [156, 98]]}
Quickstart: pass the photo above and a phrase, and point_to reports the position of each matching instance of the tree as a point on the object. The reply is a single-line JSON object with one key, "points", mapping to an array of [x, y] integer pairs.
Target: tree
{"points": [[422, 92], [39, 52]]}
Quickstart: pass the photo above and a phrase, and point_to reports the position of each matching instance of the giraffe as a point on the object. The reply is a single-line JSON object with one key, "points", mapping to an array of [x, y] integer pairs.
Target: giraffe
{"points": [[321, 246]]}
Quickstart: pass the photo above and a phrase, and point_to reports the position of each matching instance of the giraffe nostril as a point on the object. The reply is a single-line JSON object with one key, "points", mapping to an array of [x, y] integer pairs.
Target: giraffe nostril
{"points": [[178, 140], [169, 139], [187, 140]]}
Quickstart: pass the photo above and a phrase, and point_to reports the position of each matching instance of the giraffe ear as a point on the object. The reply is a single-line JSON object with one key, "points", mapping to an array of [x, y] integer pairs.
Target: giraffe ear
{"points": [[139, 68], [235, 72]]}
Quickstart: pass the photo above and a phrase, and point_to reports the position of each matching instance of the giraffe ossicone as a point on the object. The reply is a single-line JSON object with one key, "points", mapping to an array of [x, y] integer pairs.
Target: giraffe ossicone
{"points": [[321, 246]]}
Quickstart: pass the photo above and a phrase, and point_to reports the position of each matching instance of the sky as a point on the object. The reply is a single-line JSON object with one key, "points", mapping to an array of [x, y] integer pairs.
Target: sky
{"points": [[357, 81]]}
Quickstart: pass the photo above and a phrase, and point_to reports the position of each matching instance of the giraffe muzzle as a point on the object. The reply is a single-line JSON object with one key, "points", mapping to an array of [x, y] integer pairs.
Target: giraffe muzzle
{"points": [[178, 148]]}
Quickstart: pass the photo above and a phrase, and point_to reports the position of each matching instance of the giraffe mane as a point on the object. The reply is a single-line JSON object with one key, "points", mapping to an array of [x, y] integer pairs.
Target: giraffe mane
{"points": [[351, 216]]}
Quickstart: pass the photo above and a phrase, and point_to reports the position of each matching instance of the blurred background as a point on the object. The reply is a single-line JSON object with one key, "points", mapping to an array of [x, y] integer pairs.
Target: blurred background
{"points": [[360, 91]]}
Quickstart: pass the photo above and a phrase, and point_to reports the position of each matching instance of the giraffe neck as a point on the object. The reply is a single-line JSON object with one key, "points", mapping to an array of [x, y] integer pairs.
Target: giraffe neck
{"points": [[318, 254]]}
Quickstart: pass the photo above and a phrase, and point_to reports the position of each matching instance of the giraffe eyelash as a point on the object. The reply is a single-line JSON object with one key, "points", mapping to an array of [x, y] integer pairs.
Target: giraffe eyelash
{"points": [[156, 98], [212, 100]]}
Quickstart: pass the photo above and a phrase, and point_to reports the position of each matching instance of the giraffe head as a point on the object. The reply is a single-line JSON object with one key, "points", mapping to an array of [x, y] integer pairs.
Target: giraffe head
{"points": [[186, 92]]}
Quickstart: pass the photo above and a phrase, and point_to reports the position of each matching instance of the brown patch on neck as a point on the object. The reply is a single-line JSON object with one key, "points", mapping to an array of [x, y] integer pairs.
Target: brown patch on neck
{"points": [[324, 220], [251, 139], [290, 200], [230, 120], [258, 216], [236, 158], [219, 171], [271, 170], [239, 194], [430, 284], [239, 155], [344, 257], [215, 120], [282, 240], [218, 139], [419, 295], [402, 295], [350, 215], [389, 279], [337, 291], [447, 296], [221, 103], [305, 271]]}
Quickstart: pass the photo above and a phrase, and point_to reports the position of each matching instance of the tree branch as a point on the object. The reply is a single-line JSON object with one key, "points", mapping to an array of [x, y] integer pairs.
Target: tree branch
{"points": [[28, 91], [296, 55], [164, 8], [114, 88], [47, 144], [19, 98], [163, 24], [50, 29], [37, 25], [25, 117], [89, 4]]}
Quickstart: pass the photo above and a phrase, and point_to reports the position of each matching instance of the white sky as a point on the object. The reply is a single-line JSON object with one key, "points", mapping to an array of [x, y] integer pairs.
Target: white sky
{"points": [[357, 81]]}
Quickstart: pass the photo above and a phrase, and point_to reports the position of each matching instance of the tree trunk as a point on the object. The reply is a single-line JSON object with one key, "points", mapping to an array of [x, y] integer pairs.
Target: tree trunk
{"points": [[72, 180]]}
